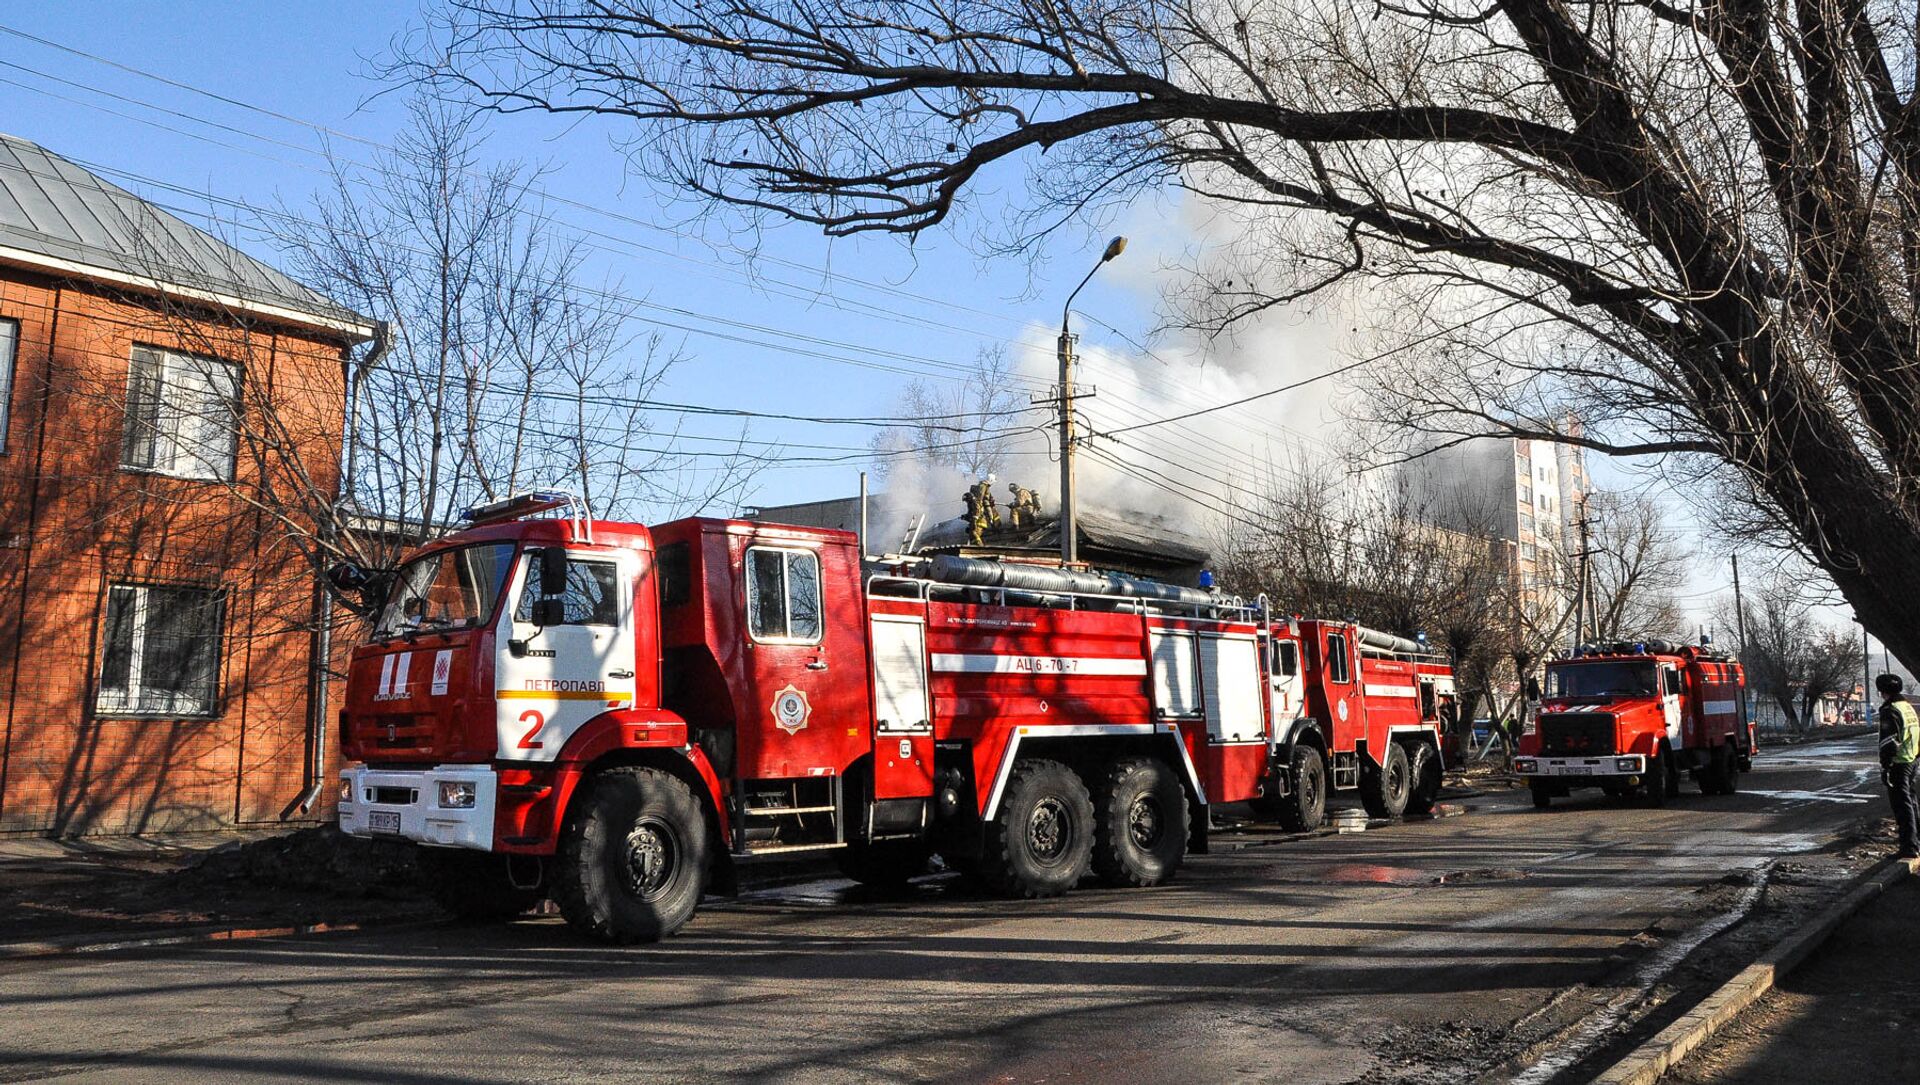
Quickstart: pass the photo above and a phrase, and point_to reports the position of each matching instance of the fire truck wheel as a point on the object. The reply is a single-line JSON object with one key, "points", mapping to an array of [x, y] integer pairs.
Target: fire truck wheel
{"points": [[1662, 780], [1384, 790], [1140, 823], [479, 885], [1306, 807], [1542, 793], [1041, 843], [633, 856], [1426, 777], [1720, 777]]}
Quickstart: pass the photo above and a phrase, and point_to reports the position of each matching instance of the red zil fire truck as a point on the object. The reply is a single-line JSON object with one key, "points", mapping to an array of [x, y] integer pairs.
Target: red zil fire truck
{"points": [[614, 715], [1631, 717]]}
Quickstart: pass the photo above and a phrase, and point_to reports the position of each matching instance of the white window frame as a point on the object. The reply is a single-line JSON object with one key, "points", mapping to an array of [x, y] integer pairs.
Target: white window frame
{"points": [[9, 355], [787, 553], [124, 703], [171, 456]]}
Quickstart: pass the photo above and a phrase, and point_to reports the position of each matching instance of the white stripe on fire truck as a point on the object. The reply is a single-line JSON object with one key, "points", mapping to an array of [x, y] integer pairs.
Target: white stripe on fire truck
{"points": [[1374, 689], [386, 676], [974, 663], [400, 670]]}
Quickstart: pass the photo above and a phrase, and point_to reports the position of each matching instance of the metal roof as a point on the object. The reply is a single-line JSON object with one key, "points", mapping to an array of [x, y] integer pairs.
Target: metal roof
{"points": [[60, 217]]}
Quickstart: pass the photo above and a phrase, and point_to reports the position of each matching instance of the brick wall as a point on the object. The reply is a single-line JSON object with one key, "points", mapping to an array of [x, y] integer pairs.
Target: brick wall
{"points": [[73, 521]]}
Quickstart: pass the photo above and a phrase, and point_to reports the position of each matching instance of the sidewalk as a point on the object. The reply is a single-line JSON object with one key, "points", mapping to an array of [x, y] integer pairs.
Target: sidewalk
{"points": [[1851, 1013], [60, 893]]}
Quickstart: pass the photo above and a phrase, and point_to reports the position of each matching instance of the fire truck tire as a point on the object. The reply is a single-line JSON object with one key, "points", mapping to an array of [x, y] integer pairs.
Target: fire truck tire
{"points": [[478, 885], [1424, 772], [1306, 807], [1719, 777], [1542, 793], [633, 856], [1384, 791], [1140, 823], [1041, 842], [1662, 781]]}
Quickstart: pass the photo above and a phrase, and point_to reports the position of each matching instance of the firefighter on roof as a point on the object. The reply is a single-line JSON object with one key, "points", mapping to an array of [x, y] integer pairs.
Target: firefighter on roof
{"points": [[1025, 509], [982, 512], [1899, 750]]}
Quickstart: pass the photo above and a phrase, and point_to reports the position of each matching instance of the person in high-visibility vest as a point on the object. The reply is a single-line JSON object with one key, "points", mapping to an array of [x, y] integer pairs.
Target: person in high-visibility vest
{"points": [[1899, 760]]}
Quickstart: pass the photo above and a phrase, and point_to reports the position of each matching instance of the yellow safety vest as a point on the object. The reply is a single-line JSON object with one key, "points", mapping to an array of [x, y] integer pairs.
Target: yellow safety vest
{"points": [[1906, 745]]}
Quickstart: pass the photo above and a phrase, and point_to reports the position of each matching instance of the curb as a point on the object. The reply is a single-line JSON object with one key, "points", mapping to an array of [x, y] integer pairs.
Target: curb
{"points": [[1673, 1043]]}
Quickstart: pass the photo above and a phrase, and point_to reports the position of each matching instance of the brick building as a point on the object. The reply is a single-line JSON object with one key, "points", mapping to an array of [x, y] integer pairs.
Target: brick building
{"points": [[168, 407]]}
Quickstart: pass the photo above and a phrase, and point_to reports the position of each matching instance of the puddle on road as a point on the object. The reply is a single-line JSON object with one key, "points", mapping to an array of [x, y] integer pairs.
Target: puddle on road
{"points": [[1810, 796], [1374, 874]]}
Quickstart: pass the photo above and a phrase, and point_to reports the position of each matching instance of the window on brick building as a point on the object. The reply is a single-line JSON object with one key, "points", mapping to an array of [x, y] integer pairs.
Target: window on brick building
{"points": [[181, 414], [161, 651], [9, 348]]}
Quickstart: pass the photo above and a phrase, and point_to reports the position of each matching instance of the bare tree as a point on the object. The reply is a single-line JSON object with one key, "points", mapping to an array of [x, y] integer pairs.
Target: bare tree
{"points": [[1791, 658], [1693, 222], [506, 370], [1633, 569], [966, 427], [1324, 540]]}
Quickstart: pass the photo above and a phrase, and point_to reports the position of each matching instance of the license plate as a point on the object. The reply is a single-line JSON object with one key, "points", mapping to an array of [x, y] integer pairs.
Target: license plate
{"points": [[384, 821], [1576, 770]]}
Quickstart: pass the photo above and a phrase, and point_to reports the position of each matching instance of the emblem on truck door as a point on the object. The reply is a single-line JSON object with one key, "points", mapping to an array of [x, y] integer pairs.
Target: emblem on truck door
{"points": [[791, 709]]}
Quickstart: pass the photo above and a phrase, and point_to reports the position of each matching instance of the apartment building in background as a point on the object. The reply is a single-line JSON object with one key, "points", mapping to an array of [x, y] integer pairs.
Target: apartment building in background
{"points": [[1528, 493], [158, 387]]}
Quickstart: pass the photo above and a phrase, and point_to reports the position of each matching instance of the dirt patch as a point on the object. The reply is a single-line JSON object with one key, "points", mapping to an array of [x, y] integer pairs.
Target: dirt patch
{"points": [[309, 876]]}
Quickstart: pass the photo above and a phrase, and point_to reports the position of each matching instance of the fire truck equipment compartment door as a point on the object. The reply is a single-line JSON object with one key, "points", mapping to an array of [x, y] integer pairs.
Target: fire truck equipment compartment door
{"points": [[1176, 679], [902, 708], [900, 704], [572, 671], [1230, 676]]}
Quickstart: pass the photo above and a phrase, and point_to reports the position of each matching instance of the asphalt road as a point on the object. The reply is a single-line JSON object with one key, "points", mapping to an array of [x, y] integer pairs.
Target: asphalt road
{"points": [[1426, 951]]}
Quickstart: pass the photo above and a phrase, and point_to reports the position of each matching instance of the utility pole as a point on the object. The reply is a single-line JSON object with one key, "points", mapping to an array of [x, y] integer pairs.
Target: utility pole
{"points": [[1866, 678], [1580, 601], [1740, 631], [1069, 526]]}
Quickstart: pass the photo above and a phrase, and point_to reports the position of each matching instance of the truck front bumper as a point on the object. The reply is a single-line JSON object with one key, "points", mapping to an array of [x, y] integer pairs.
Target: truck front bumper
{"points": [[1574, 767], [449, 805]]}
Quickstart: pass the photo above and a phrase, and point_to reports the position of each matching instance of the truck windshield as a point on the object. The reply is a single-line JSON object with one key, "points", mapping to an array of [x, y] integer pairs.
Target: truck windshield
{"points": [[1618, 678], [448, 589]]}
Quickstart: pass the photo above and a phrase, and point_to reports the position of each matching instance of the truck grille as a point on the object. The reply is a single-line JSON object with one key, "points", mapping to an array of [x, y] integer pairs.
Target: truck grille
{"points": [[1583, 734], [399, 731]]}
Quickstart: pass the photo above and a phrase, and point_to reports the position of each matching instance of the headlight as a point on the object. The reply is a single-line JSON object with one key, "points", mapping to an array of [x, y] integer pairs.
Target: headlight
{"points": [[346, 790], [1626, 764], [1523, 764], [456, 795]]}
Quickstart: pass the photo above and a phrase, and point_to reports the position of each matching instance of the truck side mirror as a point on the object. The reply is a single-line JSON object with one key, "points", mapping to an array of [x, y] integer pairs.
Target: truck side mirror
{"points": [[548, 612], [348, 577], [1533, 688], [553, 572]]}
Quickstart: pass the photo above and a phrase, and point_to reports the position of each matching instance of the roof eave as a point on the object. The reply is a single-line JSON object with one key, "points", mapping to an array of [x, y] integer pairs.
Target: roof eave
{"points": [[357, 330]]}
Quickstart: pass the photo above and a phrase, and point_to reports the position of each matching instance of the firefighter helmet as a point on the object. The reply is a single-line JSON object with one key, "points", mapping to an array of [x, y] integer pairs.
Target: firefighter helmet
{"points": [[1888, 684]]}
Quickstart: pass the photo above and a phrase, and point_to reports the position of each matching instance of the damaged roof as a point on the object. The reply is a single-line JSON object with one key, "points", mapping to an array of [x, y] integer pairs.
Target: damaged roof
{"points": [[59, 217]]}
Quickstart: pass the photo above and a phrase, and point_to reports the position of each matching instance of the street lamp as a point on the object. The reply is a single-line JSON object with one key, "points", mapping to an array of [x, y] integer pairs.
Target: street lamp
{"points": [[1069, 531]]}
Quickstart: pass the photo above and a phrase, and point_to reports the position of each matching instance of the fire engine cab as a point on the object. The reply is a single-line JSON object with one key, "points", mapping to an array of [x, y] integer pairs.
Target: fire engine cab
{"points": [[614, 715], [1630, 717]]}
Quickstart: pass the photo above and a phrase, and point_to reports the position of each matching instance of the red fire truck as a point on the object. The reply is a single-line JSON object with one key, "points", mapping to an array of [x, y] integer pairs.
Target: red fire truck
{"points": [[1631, 717], [1368, 718], [614, 715]]}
